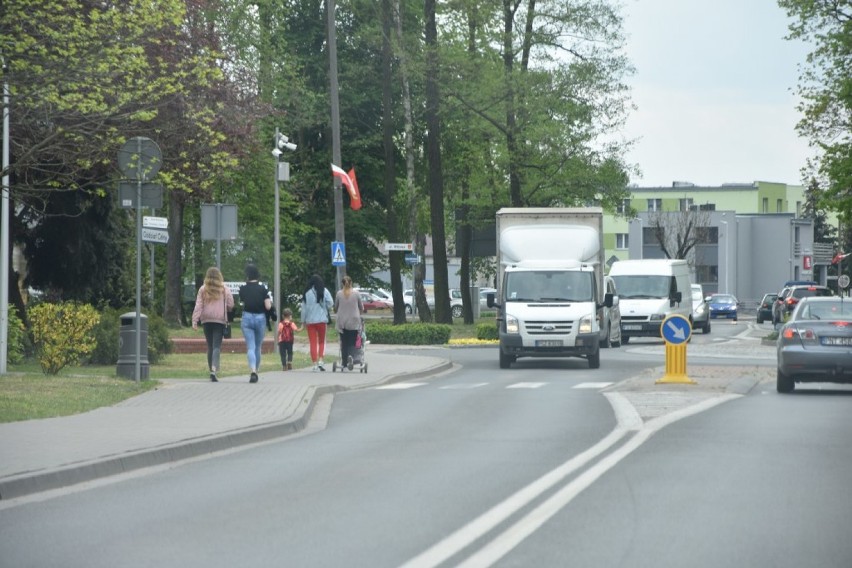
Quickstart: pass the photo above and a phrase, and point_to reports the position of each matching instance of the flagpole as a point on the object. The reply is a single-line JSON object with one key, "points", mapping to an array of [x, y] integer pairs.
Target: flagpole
{"points": [[339, 233]]}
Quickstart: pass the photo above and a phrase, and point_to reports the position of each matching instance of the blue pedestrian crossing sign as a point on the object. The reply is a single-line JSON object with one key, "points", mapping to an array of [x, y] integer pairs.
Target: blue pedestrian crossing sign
{"points": [[676, 329], [338, 253]]}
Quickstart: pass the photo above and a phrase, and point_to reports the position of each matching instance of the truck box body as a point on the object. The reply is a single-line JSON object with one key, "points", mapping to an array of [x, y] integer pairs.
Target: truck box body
{"points": [[650, 290], [550, 283]]}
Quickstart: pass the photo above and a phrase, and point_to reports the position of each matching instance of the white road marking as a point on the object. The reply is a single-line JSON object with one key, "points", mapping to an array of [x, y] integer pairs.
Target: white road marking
{"points": [[526, 385], [628, 422], [463, 386], [400, 386], [592, 385]]}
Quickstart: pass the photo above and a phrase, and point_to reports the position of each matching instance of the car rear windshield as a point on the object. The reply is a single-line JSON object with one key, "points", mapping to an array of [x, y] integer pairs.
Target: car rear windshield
{"points": [[811, 291]]}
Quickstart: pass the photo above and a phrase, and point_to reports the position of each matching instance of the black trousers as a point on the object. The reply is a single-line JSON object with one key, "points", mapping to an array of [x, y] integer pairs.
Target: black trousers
{"points": [[347, 344], [213, 333], [285, 349]]}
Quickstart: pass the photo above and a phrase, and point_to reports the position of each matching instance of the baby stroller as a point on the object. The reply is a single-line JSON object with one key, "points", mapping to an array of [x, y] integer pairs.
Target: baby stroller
{"points": [[359, 359]]}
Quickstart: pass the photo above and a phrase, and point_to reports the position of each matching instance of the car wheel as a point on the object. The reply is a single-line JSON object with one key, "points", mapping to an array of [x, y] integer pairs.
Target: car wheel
{"points": [[457, 311], [505, 360], [759, 319], [408, 309], [625, 339], [784, 383], [595, 360], [706, 329]]}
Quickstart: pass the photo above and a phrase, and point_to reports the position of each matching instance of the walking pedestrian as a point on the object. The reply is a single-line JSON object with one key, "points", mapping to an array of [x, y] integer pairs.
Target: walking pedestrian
{"points": [[348, 307], [316, 303], [212, 304], [256, 302], [287, 329]]}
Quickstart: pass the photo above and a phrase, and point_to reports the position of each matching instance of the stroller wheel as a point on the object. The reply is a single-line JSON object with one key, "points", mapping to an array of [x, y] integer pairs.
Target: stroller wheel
{"points": [[334, 367]]}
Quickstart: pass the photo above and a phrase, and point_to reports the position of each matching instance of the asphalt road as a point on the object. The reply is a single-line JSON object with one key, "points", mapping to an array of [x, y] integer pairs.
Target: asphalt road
{"points": [[532, 466]]}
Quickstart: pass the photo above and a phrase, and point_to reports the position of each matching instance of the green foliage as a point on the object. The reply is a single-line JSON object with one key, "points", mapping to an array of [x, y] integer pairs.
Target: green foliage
{"points": [[62, 333], [19, 342], [486, 331], [409, 333], [106, 334]]}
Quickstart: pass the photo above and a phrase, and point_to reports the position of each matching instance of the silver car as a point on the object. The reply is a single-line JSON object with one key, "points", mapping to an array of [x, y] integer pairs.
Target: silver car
{"points": [[611, 324], [700, 310], [815, 343]]}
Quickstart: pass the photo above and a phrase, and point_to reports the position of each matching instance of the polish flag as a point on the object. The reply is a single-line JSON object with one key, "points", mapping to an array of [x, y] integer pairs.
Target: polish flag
{"points": [[839, 256], [348, 180]]}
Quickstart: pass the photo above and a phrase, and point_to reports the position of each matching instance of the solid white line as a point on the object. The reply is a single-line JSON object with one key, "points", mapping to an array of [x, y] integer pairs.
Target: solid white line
{"points": [[463, 386], [462, 538], [526, 385], [400, 386], [514, 535]]}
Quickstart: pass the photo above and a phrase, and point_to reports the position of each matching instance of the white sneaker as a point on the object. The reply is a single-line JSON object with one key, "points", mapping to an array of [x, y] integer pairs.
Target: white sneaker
{"points": [[321, 366], [315, 368]]}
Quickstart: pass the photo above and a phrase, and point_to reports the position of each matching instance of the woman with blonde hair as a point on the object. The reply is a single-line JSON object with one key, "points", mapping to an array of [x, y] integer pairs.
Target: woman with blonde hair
{"points": [[348, 306], [212, 304]]}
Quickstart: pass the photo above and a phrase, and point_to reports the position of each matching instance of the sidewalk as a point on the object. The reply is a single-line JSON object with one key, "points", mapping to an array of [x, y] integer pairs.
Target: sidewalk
{"points": [[182, 419]]}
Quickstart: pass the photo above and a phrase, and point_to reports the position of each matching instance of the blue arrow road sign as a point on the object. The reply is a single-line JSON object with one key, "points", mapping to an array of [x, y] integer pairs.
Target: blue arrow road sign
{"points": [[676, 329], [338, 253]]}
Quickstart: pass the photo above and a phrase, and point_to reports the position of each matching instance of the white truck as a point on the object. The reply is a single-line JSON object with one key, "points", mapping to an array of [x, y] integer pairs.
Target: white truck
{"points": [[550, 283]]}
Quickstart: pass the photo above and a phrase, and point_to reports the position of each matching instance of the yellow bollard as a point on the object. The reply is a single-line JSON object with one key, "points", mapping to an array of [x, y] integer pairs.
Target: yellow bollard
{"points": [[675, 331]]}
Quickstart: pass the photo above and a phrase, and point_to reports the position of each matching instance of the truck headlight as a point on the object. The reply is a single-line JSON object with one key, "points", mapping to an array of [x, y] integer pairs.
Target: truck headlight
{"points": [[512, 324], [585, 325], [657, 317]]}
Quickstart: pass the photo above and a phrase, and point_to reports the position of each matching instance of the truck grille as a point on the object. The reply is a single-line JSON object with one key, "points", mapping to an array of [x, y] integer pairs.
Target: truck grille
{"points": [[625, 318], [549, 327]]}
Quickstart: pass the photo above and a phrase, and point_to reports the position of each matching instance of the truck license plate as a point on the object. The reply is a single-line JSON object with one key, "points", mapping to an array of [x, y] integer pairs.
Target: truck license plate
{"points": [[632, 327], [548, 343]]}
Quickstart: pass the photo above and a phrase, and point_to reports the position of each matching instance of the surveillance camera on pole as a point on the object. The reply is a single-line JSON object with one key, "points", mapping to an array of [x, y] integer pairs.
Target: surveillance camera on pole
{"points": [[284, 142]]}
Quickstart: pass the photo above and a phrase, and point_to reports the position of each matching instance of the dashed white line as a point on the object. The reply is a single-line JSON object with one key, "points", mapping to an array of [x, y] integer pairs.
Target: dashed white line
{"points": [[592, 385], [400, 386], [526, 385], [463, 386]]}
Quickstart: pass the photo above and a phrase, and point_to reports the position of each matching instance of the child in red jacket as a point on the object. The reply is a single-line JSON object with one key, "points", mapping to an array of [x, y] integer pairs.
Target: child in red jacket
{"points": [[287, 329]]}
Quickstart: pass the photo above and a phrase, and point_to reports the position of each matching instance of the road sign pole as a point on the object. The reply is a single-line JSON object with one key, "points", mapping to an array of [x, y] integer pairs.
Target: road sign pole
{"points": [[137, 367]]}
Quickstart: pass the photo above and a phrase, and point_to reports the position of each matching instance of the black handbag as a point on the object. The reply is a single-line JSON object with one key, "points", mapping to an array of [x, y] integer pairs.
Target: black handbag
{"points": [[226, 333]]}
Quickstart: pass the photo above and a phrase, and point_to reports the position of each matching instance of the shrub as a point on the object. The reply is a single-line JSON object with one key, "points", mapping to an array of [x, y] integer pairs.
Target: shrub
{"points": [[19, 342], [62, 333], [107, 332], [409, 333], [486, 331]]}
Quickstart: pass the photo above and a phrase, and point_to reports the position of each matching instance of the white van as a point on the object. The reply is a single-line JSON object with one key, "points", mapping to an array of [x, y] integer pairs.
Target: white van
{"points": [[649, 291]]}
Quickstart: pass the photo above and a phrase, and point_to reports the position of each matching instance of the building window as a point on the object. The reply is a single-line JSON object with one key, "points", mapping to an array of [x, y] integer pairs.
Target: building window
{"points": [[779, 206], [765, 205], [686, 204], [707, 235], [622, 241], [798, 209], [624, 207], [655, 204], [796, 235]]}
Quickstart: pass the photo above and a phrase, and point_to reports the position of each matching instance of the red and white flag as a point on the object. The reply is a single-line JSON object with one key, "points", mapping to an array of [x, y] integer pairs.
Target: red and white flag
{"points": [[839, 256], [350, 183]]}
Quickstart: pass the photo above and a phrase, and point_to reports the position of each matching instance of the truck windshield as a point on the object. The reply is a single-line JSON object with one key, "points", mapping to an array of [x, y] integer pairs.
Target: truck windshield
{"points": [[549, 286], [642, 287]]}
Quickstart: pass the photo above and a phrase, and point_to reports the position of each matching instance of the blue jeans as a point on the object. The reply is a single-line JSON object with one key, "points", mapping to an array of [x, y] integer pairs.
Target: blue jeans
{"points": [[253, 327]]}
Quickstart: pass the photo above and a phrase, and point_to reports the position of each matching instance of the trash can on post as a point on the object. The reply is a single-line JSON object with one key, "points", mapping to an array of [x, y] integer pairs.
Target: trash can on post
{"points": [[127, 346]]}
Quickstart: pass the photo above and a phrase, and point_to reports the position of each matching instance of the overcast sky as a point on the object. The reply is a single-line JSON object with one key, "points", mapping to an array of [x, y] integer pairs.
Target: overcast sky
{"points": [[714, 88]]}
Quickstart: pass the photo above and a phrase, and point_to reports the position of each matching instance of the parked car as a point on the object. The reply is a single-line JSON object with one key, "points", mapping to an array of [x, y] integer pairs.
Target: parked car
{"points": [[764, 310], [456, 304], [612, 317], [814, 344], [410, 304], [723, 306], [792, 295], [372, 302], [700, 309], [380, 293]]}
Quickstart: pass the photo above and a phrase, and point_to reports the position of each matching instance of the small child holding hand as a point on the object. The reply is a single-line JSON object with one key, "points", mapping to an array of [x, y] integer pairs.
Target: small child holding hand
{"points": [[287, 329]]}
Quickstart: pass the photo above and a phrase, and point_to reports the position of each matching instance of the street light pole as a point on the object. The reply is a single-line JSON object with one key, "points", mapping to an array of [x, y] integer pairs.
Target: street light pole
{"points": [[727, 290], [281, 174]]}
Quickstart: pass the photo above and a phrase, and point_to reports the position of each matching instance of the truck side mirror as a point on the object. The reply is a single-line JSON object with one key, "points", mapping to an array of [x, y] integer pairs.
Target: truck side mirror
{"points": [[609, 300], [675, 298], [489, 300]]}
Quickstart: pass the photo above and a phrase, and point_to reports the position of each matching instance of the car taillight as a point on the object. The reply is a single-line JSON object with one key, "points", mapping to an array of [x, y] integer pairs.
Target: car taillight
{"points": [[806, 335], [791, 301]]}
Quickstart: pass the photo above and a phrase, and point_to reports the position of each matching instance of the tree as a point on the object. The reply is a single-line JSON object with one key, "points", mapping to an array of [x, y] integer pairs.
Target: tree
{"points": [[677, 232], [825, 87]]}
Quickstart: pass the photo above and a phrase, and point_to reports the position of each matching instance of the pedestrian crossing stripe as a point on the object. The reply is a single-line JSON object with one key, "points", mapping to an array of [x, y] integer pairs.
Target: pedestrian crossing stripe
{"points": [[470, 386]]}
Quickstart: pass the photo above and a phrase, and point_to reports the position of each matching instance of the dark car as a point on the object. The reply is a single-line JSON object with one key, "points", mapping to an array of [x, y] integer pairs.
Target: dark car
{"points": [[723, 306], [791, 295], [814, 345], [764, 310]]}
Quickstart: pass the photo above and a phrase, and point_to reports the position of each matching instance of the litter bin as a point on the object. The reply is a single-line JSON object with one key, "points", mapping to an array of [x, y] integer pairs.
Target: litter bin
{"points": [[127, 346]]}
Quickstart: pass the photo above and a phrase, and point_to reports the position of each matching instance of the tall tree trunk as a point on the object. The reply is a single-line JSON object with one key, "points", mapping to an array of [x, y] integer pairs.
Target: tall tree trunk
{"points": [[174, 273], [435, 173], [390, 160], [418, 238]]}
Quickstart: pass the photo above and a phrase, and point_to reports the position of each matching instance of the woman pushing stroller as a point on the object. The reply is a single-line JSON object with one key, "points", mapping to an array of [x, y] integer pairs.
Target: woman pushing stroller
{"points": [[348, 306]]}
